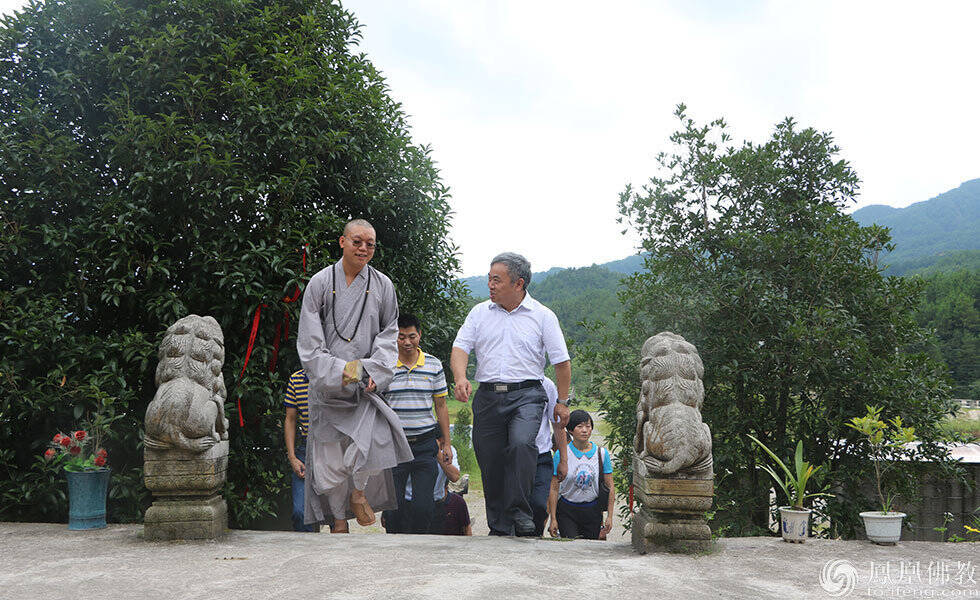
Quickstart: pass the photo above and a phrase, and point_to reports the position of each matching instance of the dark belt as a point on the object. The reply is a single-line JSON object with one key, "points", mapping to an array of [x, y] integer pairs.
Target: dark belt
{"points": [[503, 388], [428, 435]]}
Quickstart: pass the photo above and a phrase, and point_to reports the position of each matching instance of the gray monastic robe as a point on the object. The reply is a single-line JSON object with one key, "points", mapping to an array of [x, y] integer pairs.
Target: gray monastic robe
{"points": [[369, 431]]}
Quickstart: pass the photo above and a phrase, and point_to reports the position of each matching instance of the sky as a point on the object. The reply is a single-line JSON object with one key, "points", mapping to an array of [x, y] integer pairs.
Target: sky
{"points": [[539, 113]]}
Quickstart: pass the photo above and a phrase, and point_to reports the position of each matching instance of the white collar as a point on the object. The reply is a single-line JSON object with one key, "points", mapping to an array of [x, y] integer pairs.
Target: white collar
{"points": [[526, 303]]}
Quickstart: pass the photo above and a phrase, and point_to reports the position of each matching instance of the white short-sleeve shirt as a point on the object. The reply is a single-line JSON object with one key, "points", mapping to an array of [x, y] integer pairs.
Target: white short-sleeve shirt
{"points": [[544, 432], [512, 346]]}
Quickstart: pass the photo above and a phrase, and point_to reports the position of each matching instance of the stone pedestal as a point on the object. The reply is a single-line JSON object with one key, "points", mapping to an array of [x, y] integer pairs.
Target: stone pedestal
{"points": [[186, 490], [671, 515], [186, 519]]}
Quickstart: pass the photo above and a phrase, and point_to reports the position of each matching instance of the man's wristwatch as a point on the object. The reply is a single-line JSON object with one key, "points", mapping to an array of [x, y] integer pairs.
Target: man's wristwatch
{"points": [[565, 401]]}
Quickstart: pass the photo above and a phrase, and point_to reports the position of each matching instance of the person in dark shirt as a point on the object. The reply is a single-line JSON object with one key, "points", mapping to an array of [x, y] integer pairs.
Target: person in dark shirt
{"points": [[457, 519]]}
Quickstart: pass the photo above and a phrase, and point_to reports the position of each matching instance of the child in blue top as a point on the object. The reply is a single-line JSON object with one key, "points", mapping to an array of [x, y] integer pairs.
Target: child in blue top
{"points": [[572, 505]]}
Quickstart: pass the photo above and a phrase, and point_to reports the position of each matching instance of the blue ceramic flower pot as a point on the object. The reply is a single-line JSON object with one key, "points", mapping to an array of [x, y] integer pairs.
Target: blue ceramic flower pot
{"points": [[87, 492]]}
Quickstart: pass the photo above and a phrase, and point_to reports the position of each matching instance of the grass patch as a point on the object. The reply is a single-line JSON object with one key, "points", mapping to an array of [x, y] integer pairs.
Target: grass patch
{"points": [[603, 428], [476, 481], [590, 405], [963, 426], [454, 405]]}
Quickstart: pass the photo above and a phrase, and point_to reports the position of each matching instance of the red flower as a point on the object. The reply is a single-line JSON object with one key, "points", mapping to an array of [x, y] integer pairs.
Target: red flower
{"points": [[75, 450], [102, 453], [100, 461], [49, 454], [65, 441], [80, 435], [57, 438]]}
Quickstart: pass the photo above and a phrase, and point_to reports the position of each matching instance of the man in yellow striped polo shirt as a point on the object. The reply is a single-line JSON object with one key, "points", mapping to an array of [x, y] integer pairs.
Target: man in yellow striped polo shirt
{"points": [[297, 409], [418, 385]]}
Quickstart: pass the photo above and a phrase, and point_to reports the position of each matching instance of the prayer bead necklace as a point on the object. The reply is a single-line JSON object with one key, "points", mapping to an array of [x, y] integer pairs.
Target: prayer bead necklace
{"points": [[333, 304]]}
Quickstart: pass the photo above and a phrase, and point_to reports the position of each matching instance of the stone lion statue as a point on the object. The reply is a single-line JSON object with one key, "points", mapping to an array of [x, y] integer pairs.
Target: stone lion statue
{"points": [[670, 438], [188, 411]]}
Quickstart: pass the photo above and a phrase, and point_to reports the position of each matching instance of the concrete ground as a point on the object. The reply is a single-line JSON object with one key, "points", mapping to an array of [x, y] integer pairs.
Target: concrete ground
{"points": [[43, 560], [478, 519]]}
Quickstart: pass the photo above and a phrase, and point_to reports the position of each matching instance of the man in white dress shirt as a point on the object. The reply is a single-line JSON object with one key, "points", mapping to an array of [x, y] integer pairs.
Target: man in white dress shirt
{"points": [[545, 440], [512, 334]]}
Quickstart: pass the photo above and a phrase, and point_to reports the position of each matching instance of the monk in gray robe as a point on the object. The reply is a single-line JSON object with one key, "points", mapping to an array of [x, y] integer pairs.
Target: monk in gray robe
{"points": [[347, 336]]}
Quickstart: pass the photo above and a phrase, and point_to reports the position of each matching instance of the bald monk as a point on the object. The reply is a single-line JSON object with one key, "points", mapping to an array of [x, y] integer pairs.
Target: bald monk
{"points": [[348, 329]]}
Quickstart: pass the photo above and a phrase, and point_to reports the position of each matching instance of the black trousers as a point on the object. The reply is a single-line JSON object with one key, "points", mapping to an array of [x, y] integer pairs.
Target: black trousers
{"points": [[505, 425], [542, 487], [578, 520], [438, 525], [415, 516]]}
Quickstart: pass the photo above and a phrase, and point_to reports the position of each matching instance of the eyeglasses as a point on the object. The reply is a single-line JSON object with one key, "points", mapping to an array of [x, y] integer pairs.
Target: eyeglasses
{"points": [[359, 243]]}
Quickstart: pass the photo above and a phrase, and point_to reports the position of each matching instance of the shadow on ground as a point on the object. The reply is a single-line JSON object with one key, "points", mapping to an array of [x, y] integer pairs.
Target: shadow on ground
{"points": [[47, 560]]}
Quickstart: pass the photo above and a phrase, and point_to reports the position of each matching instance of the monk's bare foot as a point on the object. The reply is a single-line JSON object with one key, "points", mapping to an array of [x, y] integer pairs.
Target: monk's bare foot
{"points": [[362, 510], [340, 526]]}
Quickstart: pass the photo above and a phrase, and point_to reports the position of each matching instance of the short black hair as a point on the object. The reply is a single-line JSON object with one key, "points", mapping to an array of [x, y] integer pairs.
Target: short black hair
{"points": [[406, 320], [577, 417]]}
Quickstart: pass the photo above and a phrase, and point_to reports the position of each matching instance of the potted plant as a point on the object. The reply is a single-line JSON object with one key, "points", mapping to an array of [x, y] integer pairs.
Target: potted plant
{"points": [[888, 442], [794, 519], [81, 455]]}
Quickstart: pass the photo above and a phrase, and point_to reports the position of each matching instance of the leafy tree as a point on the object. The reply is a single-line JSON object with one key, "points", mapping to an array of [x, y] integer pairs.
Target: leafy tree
{"points": [[752, 259], [951, 308], [164, 158]]}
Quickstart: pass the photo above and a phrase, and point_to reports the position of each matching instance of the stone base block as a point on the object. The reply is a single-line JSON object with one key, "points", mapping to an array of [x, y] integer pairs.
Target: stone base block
{"points": [[186, 519], [179, 472], [671, 514], [693, 505], [691, 496], [665, 532]]}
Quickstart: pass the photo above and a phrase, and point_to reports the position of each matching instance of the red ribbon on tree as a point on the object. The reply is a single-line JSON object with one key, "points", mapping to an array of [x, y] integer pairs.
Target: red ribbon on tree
{"points": [[282, 329], [275, 348], [631, 498], [296, 292], [248, 354], [282, 334]]}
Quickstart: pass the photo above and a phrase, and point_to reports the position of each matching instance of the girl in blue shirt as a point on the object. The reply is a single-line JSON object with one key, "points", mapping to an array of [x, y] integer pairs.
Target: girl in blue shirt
{"points": [[573, 505]]}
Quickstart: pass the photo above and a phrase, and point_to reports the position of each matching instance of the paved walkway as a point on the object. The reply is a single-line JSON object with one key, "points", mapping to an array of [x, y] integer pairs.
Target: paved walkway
{"points": [[41, 560]]}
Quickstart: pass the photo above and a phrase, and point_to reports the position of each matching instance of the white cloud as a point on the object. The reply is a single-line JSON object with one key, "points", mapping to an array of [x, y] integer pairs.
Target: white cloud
{"points": [[539, 112]]}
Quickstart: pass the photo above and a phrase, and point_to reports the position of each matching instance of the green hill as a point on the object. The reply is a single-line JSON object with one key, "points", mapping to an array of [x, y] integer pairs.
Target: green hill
{"points": [[477, 285], [588, 293], [938, 239], [945, 229]]}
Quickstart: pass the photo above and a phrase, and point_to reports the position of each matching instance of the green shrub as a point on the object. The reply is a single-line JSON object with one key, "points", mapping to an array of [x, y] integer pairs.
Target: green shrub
{"points": [[159, 159], [462, 442]]}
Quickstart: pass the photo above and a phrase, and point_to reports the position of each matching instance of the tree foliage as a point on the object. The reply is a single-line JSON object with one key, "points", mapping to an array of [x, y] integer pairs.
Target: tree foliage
{"points": [[951, 308], [578, 295], [752, 259], [164, 158]]}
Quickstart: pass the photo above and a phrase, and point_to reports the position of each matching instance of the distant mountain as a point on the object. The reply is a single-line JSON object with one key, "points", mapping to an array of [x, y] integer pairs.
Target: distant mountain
{"points": [[941, 234], [627, 266], [938, 238], [477, 285], [942, 231]]}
